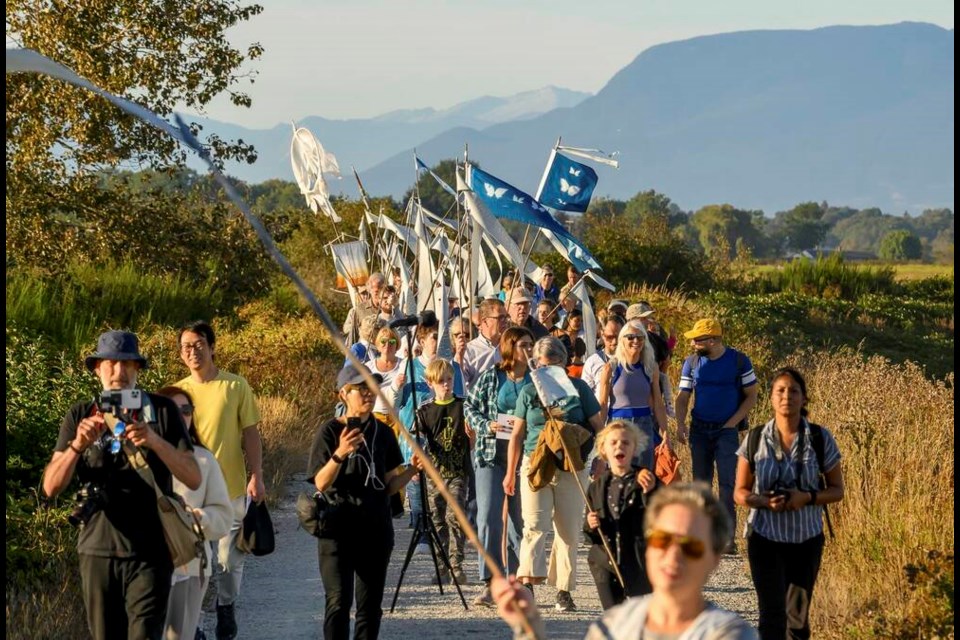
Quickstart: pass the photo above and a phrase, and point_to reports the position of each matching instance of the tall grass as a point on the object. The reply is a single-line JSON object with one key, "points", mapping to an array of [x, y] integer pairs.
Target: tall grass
{"points": [[72, 307], [831, 277]]}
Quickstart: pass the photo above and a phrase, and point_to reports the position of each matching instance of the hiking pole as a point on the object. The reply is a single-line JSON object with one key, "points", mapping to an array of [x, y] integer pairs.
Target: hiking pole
{"points": [[503, 536]]}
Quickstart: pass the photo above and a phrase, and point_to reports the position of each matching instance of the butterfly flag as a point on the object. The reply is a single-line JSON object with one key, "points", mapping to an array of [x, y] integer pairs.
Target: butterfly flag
{"points": [[504, 200], [421, 166], [595, 155], [567, 185]]}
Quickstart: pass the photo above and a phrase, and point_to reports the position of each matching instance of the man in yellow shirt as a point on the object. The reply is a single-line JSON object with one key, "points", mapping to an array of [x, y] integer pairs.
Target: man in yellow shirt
{"points": [[226, 418]]}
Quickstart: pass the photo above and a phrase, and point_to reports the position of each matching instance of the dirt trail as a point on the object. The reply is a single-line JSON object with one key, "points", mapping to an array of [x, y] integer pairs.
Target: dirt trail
{"points": [[282, 597]]}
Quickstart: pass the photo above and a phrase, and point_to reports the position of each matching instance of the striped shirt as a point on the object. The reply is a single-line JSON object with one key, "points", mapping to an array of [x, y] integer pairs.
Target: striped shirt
{"points": [[775, 469]]}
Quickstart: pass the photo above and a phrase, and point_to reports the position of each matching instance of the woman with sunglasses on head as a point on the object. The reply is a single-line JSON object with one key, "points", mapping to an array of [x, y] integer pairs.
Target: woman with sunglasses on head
{"points": [[629, 389], [488, 410], [355, 462], [686, 532], [781, 485], [212, 506]]}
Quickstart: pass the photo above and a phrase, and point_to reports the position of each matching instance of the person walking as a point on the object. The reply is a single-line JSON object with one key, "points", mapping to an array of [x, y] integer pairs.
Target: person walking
{"points": [[226, 417], [125, 566], [724, 388], [210, 502], [686, 531], [782, 487], [629, 389], [489, 410], [355, 463], [483, 351], [560, 502], [616, 505]]}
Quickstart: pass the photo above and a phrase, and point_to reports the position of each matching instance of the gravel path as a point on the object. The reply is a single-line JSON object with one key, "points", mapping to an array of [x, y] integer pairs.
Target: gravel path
{"points": [[282, 597]]}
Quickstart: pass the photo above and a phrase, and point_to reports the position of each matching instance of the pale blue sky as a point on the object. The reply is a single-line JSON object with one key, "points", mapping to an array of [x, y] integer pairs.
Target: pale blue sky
{"points": [[360, 58]]}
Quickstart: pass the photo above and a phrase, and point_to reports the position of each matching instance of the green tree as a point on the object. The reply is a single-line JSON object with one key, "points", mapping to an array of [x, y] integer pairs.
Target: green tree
{"points": [[900, 245], [801, 227], [735, 226], [646, 204]]}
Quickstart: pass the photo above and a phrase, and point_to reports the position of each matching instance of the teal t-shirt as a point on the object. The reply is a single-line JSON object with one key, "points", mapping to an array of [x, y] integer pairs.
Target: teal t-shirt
{"points": [[577, 409]]}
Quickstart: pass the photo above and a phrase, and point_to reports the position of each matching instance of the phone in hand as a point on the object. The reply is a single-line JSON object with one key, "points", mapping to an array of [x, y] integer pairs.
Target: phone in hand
{"points": [[354, 423]]}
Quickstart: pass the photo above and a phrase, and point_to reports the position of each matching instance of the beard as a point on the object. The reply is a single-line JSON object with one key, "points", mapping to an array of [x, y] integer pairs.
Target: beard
{"points": [[702, 351]]}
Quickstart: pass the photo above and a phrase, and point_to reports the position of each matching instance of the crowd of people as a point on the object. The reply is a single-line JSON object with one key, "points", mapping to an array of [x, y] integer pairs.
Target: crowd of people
{"points": [[518, 463]]}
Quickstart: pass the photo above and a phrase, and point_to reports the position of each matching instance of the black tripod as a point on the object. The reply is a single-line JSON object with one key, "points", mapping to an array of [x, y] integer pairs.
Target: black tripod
{"points": [[424, 525]]}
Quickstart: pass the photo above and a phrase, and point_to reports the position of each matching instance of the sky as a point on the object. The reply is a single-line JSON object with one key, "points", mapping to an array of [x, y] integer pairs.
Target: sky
{"points": [[344, 59]]}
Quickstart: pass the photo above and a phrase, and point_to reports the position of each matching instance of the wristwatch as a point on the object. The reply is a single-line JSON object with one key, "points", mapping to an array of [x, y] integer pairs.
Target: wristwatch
{"points": [[337, 459]]}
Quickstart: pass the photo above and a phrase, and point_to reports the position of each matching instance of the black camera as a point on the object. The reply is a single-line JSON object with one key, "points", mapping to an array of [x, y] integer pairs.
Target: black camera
{"points": [[777, 492], [90, 499], [120, 401]]}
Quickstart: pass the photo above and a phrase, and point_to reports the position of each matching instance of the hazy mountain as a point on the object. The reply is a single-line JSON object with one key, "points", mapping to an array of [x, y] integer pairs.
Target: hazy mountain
{"points": [[859, 116], [366, 142]]}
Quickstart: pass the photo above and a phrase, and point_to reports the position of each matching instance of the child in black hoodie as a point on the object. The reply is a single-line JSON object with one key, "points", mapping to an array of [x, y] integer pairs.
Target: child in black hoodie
{"points": [[616, 504]]}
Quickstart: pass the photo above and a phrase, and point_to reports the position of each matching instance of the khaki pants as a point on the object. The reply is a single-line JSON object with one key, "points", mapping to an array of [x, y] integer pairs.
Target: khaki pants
{"points": [[561, 504]]}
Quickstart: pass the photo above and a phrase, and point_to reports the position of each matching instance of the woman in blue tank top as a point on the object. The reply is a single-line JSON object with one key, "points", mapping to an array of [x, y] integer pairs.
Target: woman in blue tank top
{"points": [[629, 388]]}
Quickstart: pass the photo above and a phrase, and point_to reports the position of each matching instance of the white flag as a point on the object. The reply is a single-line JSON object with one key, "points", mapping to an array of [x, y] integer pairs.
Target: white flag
{"points": [[596, 155]]}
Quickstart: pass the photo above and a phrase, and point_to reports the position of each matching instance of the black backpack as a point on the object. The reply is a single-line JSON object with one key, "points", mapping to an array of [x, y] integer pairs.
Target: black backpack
{"points": [[816, 440], [694, 362]]}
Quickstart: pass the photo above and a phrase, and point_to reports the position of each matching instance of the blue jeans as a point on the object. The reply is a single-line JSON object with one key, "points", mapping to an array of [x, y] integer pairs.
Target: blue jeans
{"points": [[712, 443], [490, 519]]}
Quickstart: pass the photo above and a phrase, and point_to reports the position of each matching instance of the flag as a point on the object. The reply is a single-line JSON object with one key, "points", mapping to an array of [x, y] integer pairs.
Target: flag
{"points": [[421, 166], [593, 154], [567, 184], [504, 200]]}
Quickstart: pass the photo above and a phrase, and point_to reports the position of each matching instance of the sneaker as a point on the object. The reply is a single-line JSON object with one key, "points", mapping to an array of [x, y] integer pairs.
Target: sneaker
{"points": [[423, 548], [460, 576], [731, 549], [485, 599], [226, 622], [565, 601], [444, 577]]}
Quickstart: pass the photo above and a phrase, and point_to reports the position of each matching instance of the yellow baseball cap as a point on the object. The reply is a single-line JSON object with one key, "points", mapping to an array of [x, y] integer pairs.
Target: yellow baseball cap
{"points": [[704, 327]]}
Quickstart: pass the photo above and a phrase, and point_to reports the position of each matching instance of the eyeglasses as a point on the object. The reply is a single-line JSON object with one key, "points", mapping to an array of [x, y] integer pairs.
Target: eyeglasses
{"points": [[630, 337], [500, 318], [197, 346], [702, 340], [458, 335], [387, 341], [359, 388], [692, 548], [186, 410], [609, 337]]}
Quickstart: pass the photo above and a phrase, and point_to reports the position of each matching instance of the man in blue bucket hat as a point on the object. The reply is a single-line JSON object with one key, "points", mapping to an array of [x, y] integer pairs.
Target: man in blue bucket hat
{"points": [[125, 564]]}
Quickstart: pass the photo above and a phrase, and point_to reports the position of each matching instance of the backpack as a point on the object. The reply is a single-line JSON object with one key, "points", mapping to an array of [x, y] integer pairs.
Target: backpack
{"points": [[694, 362], [816, 440]]}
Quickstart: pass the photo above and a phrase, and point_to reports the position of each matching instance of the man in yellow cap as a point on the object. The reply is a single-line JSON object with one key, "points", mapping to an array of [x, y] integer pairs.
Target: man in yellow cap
{"points": [[726, 389]]}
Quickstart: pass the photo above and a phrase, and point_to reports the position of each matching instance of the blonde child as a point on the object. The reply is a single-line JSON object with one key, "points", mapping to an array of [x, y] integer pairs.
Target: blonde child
{"points": [[616, 504], [448, 443]]}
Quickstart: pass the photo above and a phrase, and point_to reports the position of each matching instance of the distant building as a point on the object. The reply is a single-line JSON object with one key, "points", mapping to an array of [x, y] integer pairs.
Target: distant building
{"points": [[848, 256]]}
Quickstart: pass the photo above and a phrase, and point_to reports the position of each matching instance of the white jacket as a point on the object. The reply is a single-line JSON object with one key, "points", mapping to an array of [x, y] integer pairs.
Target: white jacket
{"points": [[213, 501]]}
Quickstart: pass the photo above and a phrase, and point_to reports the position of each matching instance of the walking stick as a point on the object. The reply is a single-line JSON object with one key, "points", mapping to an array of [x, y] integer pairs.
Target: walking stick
{"points": [[503, 536]]}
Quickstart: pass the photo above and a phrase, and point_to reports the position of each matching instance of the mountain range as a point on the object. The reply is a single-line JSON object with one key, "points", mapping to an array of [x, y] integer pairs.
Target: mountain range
{"points": [[855, 116]]}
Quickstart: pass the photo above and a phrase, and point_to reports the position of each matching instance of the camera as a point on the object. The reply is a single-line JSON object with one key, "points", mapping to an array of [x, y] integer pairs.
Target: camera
{"points": [[777, 492], [90, 499], [118, 401]]}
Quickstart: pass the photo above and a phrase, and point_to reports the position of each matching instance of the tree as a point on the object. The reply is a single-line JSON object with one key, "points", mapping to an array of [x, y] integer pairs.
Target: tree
{"points": [[648, 203], [900, 245], [801, 227], [163, 54], [716, 221]]}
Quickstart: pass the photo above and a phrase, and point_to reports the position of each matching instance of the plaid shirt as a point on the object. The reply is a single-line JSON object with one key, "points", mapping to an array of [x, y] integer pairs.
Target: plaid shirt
{"points": [[480, 410]]}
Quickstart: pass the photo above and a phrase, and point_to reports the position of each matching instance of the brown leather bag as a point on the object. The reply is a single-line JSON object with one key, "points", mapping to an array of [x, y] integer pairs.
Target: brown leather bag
{"points": [[666, 464]]}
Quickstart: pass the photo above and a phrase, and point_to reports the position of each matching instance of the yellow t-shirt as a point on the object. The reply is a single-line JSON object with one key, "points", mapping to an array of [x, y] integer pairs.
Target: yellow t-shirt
{"points": [[223, 408]]}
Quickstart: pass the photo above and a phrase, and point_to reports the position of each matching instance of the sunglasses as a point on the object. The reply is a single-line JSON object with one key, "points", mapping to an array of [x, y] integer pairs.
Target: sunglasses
{"points": [[692, 548], [702, 340], [633, 336], [389, 341], [186, 410]]}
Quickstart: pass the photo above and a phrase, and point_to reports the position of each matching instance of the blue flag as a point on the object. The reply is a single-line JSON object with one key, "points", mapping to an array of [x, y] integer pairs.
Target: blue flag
{"points": [[506, 201], [567, 185]]}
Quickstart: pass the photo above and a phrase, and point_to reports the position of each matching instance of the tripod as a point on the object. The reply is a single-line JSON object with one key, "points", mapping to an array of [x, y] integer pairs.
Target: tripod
{"points": [[424, 525]]}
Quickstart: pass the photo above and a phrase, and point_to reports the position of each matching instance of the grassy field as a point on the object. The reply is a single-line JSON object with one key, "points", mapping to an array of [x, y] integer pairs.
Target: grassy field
{"points": [[903, 272]]}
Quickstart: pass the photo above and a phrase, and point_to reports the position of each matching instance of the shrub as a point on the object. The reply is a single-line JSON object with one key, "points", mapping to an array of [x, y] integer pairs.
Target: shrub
{"points": [[830, 277]]}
